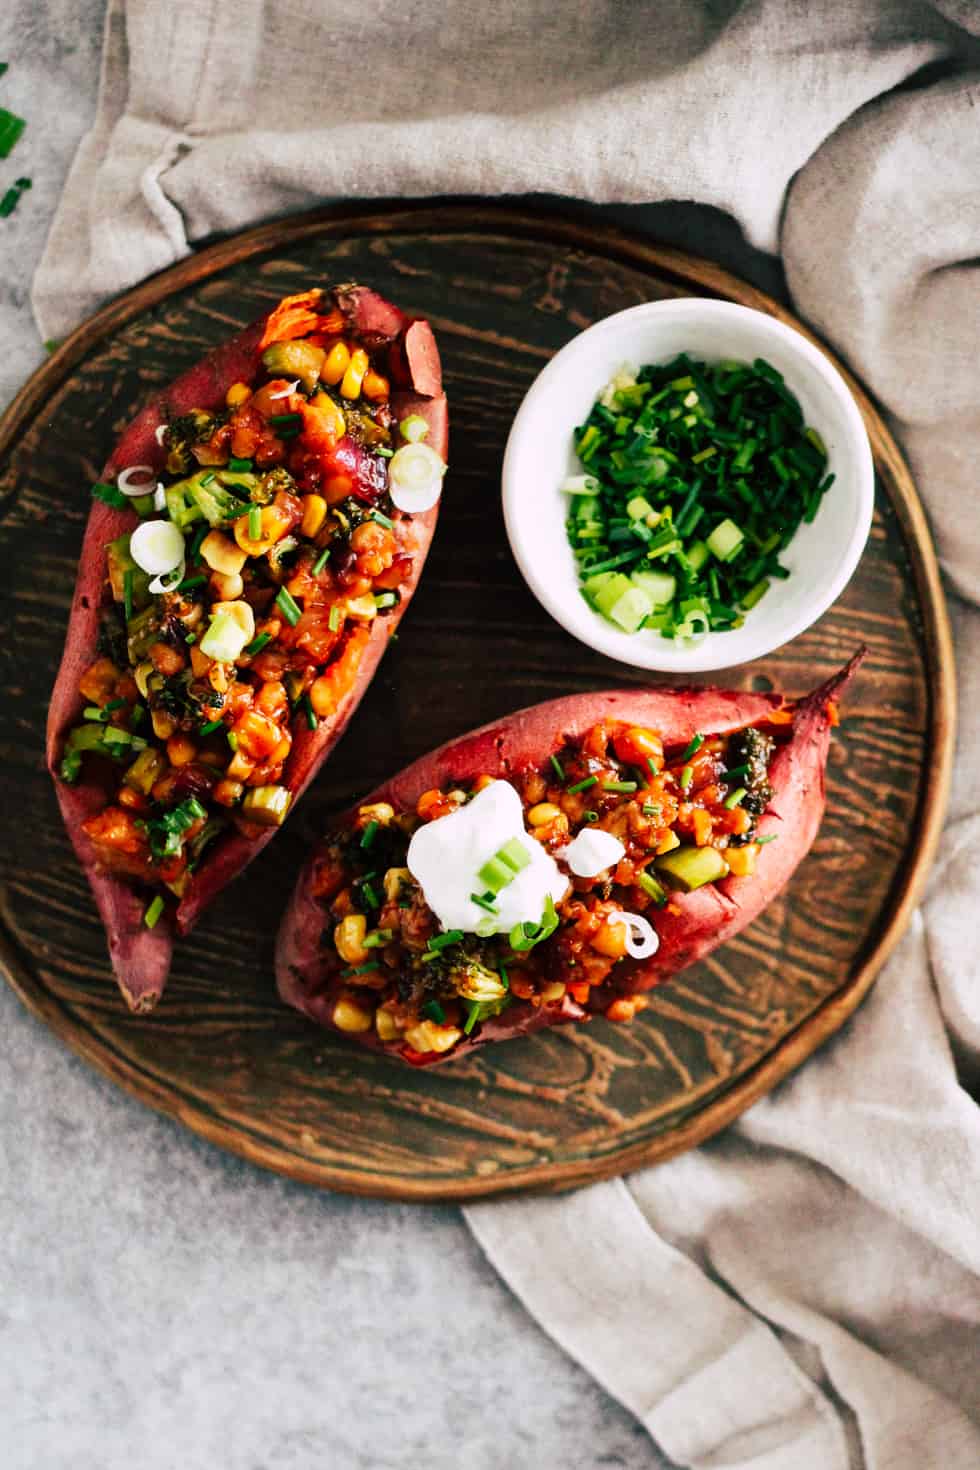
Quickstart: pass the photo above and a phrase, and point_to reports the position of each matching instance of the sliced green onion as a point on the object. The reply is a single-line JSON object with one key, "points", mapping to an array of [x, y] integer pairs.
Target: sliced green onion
{"points": [[240, 466], [210, 727], [443, 941], [369, 834], [556, 766], [652, 888], [685, 778], [414, 428], [583, 785], [735, 798], [309, 712], [321, 561], [190, 582], [288, 606], [153, 911], [255, 523], [257, 644], [377, 938], [483, 901], [620, 786], [693, 746], [590, 816], [734, 774]]}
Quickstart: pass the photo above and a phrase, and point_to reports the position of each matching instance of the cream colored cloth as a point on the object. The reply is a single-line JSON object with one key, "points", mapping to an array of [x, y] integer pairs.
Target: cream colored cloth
{"points": [[803, 1292]]}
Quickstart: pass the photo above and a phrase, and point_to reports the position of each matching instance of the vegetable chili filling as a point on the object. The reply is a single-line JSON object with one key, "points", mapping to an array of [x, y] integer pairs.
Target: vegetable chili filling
{"points": [[242, 603], [531, 889]]}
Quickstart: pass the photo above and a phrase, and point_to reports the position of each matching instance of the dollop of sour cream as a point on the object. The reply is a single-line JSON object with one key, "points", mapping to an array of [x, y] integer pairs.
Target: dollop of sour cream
{"points": [[445, 857], [592, 852]]}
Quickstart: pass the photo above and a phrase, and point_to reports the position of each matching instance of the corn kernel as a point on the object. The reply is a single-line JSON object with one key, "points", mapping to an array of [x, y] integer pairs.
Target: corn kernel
{"points": [[350, 387], [348, 937], [238, 768], [544, 812], [221, 554], [336, 364], [611, 941], [238, 394], [394, 880], [385, 1025], [375, 387], [381, 812], [228, 793], [227, 588], [314, 514], [350, 1017], [164, 725], [429, 1036], [181, 750]]}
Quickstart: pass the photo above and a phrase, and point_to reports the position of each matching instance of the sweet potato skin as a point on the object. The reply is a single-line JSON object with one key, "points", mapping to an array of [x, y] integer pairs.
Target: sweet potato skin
{"points": [[694, 924], [141, 957]]}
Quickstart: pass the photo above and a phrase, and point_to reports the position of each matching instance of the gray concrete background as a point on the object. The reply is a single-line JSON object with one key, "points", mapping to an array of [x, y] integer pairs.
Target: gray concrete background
{"points": [[163, 1304]]}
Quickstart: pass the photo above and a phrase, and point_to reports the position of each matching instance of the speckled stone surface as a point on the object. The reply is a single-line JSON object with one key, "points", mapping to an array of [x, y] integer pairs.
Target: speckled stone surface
{"points": [[163, 1304]]}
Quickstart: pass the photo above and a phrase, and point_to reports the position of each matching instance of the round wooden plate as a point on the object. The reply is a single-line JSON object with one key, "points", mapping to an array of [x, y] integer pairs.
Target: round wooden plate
{"points": [[504, 290]]}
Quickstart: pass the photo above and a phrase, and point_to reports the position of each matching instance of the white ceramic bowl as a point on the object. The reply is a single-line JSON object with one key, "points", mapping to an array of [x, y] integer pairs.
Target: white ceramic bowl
{"points": [[540, 453]]}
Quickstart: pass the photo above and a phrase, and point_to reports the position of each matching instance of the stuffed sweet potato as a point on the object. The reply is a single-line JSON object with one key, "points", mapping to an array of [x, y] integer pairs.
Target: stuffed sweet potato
{"points": [[256, 536], [554, 865]]}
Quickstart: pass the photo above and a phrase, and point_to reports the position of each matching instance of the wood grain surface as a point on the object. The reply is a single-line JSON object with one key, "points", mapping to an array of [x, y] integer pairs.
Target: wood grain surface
{"points": [[504, 290]]}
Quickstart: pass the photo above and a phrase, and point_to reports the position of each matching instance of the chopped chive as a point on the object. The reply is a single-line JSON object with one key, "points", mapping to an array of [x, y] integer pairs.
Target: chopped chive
{"points": [[233, 740], [309, 711], [369, 834], [443, 941], [365, 969], [210, 727], [257, 644], [321, 561], [153, 912], [255, 523], [650, 809], [370, 896], [735, 798], [199, 536], [735, 772], [556, 766], [583, 785], [382, 520], [692, 747], [11, 127], [190, 638], [128, 594], [686, 777], [653, 766], [434, 1011], [624, 786], [483, 901], [336, 617], [240, 466], [761, 841], [288, 606], [190, 582], [377, 938], [283, 419]]}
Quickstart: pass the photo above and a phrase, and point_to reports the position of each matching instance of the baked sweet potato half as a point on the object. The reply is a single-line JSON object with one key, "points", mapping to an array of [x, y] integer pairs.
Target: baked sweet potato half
{"points": [[256, 536], [554, 865]]}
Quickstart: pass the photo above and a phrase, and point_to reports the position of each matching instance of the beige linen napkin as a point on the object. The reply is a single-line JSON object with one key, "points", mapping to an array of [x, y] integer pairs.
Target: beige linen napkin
{"points": [[802, 1292]]}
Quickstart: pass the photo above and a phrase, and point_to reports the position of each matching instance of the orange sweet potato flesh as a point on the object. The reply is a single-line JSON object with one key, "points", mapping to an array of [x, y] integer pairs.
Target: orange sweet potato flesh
{"points": [[141, 957], [693, 924]]}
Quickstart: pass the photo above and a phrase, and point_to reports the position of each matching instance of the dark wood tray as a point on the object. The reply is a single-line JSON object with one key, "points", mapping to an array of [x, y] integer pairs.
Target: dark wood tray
{"points": [[504, 291]]}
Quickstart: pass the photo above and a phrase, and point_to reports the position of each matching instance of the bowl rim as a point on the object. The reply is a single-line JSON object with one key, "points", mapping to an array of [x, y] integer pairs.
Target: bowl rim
{"points": [[709, 655]]}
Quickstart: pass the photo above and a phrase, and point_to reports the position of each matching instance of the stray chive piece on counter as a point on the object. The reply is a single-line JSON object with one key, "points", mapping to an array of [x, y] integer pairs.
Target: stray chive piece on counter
{"points": [[696, 478], [11, 127], [10, 200]]}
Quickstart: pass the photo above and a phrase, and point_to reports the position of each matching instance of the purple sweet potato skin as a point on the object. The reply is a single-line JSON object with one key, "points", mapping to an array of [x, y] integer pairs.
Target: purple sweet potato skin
{"points": [[694, 924], [141, 957]]}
